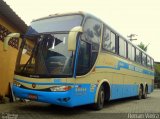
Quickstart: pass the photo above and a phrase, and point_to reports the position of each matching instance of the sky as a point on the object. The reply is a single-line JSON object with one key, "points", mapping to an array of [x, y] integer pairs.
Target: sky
{"points": [[140, 17]]}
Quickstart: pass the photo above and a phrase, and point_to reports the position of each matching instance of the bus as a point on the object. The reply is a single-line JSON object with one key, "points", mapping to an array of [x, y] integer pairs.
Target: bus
{"points": [[75, 59]]}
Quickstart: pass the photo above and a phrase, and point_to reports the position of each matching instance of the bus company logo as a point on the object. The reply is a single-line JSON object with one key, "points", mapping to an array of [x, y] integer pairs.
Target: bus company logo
{"points": [[33, 85]]}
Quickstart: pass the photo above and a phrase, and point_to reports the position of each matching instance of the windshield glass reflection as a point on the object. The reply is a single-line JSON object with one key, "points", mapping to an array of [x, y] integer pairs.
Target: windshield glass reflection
{"points": [[45, 55]]}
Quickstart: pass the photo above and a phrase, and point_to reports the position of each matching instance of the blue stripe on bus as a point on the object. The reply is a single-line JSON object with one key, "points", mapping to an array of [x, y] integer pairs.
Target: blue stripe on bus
{"points": [[43, 83], [129, 67]]}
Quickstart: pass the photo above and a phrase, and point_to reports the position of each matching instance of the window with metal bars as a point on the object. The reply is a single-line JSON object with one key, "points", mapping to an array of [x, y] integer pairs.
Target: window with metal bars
{"points": [[14, 42]]}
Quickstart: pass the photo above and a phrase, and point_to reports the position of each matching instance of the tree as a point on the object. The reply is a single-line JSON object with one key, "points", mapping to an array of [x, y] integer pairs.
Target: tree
{"points": [[143, 46], [157, 69], [157, 74]]}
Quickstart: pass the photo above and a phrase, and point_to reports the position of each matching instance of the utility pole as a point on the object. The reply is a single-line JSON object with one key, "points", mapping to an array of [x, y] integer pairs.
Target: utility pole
{"points": [[131, 37]]}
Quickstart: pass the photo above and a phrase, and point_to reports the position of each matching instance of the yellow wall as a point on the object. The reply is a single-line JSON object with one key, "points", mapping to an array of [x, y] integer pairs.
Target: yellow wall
{"points": [[7, 60]]}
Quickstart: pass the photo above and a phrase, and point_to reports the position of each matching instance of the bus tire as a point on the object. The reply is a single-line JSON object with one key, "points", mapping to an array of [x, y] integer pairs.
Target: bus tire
{"points": [[100, 99], [140, 93], [144, 96]]}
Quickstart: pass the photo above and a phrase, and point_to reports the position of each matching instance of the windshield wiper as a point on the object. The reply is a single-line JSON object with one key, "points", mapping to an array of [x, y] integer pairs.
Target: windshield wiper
{"points": [[29, 60], [38, 47]]}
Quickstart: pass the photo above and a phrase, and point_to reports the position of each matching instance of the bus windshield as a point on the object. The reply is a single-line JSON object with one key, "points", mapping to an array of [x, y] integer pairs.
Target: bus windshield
{"points": [[44, 49], [45, 55], [53, 24]]}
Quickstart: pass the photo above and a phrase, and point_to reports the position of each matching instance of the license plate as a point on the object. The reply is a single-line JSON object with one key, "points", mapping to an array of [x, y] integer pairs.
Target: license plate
{"points": [[32, 97]]}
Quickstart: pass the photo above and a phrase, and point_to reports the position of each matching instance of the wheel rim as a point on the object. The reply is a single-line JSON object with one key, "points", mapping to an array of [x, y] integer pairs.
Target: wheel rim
{"points": [[146, 92], [102, 98], [140, 93]]}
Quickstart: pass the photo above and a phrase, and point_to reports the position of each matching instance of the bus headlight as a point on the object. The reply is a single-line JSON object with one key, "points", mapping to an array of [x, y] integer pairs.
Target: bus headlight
{"points": [[16, 83], [60, 88]]}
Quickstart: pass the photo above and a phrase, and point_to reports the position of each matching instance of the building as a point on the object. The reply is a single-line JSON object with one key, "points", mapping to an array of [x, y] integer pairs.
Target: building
{"points": [[9, 22]]}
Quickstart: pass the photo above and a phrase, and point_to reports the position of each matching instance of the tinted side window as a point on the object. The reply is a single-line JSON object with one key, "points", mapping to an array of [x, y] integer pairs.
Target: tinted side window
{"points": [[152, 63], [148, 61], [129, 51], [89, 46], [144, 59], [83, 65], [138, 56], [133, 53], [92, 31], [122, 47], [108, 40], [113, 38]]}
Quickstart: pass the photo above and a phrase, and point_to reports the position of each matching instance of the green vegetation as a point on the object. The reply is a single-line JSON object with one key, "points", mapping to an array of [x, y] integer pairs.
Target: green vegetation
{"points": [[157, 71], [143, 46]]}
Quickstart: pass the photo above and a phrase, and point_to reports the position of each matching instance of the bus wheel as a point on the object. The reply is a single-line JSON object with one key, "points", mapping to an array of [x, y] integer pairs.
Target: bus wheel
{"points": [[140, 93], [144, 96], [101, 97]]}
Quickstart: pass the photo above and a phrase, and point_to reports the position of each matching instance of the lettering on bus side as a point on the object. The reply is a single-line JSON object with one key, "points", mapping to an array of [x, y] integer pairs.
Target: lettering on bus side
{"points": [[80, 90], [137, 69], [131, 67]]}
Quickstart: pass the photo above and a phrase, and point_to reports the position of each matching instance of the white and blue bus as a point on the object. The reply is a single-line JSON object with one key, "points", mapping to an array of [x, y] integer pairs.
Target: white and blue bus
{"points": [[76, 59]]}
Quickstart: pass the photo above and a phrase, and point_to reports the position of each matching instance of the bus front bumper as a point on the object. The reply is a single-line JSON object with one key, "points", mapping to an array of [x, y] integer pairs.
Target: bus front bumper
{"points": [[57, 98]]}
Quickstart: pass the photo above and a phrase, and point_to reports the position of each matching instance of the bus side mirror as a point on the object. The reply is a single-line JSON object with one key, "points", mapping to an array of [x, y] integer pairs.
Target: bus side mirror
{"points": [[72, 37], [8, 38]]}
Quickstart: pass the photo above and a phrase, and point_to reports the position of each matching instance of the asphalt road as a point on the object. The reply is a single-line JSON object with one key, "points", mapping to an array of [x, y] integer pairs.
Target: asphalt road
{"points": [[130, 108]]}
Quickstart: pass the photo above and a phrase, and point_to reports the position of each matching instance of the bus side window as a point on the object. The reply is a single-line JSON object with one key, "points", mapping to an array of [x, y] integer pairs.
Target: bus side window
{"points": [[149, 62], [89, 45], [106, 45], [152, 63], [144, 59], [113, 38], [138, 56], [83, 65], [122, 47], [133, 53], [109, 39], [129, 51]]}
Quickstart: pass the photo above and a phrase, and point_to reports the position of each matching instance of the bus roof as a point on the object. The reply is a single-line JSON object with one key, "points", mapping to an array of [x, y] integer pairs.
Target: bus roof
{"points": [[61, 14]]}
